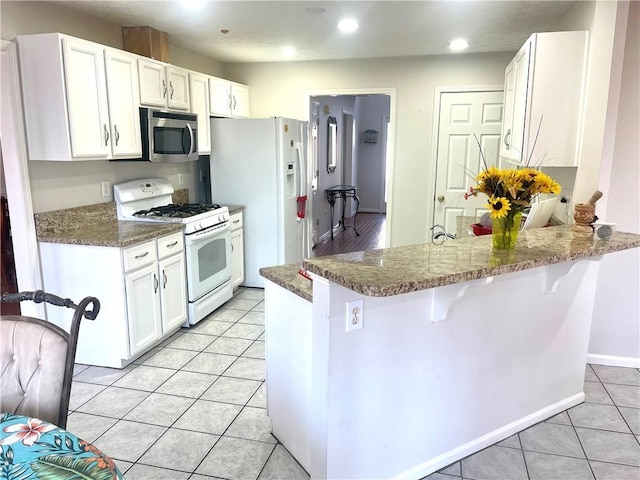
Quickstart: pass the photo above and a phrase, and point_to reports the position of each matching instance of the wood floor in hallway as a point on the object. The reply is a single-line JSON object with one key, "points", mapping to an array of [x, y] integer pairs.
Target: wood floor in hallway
{"points": [[370, 226]]}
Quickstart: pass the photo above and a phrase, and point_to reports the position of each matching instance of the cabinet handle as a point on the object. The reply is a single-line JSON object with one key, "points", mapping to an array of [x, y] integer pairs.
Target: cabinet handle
{"points": [[156, 284], [106, 135], [232, 248], [164, 89], [142, 255], [506, 138], [236, 221], [230, 102], [169, 245], [234, 102], [171, 85], [115, 128], [164, 280]]}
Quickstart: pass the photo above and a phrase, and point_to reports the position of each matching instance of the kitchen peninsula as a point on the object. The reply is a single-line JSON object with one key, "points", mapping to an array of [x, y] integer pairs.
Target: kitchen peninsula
{"points": [[460, 346]]}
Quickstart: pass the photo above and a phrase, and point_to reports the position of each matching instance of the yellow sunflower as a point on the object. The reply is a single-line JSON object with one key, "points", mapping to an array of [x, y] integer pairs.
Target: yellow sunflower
{"points": [[498, 207]]}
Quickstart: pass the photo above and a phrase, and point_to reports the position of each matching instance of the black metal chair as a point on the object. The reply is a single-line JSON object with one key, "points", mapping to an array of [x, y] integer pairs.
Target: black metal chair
{"points": [[37, 358]]}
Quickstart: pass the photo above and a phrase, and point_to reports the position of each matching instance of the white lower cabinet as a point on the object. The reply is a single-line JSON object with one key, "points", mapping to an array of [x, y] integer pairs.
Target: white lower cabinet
{"points": [[173, 291], [141, 289], [143, 308], [237, 250]]}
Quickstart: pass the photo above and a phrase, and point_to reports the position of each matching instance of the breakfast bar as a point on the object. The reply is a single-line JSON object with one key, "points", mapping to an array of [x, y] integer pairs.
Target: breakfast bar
{"points": [[456, 347]]}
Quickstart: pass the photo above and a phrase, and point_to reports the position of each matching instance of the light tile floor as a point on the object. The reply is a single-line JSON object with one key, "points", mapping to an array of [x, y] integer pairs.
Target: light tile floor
{"points": [[194, 408]]}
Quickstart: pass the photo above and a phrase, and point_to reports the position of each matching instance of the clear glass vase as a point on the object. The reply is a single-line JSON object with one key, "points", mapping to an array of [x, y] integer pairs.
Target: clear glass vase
{"points": [[505, 231]]}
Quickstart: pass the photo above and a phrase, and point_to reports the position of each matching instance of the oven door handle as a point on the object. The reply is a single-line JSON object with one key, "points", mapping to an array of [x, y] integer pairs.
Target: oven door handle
{"points": [[192, 238]]}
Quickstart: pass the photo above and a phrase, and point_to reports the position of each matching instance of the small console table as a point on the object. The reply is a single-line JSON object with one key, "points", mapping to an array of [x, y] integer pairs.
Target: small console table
{"points": [[343, 192]]}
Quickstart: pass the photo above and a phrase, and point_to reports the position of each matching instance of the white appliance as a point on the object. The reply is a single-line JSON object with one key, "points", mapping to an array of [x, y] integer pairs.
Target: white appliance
{"points": [[261, 163], [207, 239], [168, 136]]}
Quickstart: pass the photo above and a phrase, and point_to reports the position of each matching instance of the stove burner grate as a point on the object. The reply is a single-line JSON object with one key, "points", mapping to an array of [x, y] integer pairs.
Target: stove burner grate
{"points": [[184, 210]]}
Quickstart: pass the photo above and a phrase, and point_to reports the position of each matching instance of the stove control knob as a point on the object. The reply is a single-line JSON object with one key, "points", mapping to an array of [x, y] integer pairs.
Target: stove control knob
{"points": [[221, 218], [198, 226]]}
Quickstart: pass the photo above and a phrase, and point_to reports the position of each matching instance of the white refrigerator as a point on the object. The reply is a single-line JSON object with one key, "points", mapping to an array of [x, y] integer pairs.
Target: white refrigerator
{"points": [[261, 163]]}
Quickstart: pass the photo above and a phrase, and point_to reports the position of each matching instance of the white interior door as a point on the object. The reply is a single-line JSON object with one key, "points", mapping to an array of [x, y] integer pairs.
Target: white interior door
{"points": [[463, 115]]}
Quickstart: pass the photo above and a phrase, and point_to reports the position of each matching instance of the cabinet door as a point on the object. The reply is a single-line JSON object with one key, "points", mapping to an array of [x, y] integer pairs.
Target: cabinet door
{"points": [[153, 84], [506, 152], [143, 307], [516, 99], [239, 100], [220, 100], [178, 88], [124, 103], [200, 104], [86, 99], [520, 99], [237, 258], [173, 291]]}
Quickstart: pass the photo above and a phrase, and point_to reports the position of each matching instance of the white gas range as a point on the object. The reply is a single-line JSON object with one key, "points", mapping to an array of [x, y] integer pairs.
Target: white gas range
{"points": [[207, 239]]}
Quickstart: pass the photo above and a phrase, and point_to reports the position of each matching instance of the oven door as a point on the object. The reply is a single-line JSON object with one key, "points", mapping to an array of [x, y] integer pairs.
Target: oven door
{"points": [[208, 255]]}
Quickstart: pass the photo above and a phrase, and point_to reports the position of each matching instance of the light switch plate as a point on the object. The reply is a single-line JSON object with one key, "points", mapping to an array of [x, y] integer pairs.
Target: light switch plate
{"points": [[106, 189]]}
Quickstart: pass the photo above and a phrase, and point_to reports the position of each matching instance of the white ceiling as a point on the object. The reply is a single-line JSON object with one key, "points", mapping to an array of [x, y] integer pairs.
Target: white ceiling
{"points": [[258, 29]]}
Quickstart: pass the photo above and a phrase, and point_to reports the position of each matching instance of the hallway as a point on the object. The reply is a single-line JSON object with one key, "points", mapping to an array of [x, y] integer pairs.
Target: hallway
{"points": [[370, 226]]}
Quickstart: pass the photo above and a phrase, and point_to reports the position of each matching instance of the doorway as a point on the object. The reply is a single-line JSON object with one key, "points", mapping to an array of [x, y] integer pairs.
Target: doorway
{"points": [[364, 166], [469, 126]]}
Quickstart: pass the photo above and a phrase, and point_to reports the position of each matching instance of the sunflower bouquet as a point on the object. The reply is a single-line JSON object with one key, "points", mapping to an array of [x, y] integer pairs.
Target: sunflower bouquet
{"points": [[510, 191]]}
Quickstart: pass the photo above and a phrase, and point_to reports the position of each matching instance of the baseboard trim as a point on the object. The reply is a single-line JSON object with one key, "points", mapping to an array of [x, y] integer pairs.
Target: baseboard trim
{"points": [[613, 361], [458, 453]]}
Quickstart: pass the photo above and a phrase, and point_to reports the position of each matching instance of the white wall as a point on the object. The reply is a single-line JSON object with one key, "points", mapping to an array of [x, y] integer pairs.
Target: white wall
{"points": [[371, 112], [57, 185], [615, 333], [281, 89]]}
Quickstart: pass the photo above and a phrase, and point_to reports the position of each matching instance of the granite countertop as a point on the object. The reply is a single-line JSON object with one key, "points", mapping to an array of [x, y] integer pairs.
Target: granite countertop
{"points": [[96, 225], [287, 276], [397, 270], [235, 208]]}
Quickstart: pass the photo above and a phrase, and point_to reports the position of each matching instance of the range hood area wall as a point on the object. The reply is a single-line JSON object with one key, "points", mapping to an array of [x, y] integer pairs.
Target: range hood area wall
{"points": [[58, 185]]}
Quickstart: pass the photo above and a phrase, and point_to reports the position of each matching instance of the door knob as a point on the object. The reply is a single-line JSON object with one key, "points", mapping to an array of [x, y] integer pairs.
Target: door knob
{"points": [[441, 198]]}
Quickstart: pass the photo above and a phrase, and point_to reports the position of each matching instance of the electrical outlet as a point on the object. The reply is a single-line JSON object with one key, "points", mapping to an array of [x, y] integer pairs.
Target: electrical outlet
{"points": [[180, 179], [106, 189], [355, 315]]}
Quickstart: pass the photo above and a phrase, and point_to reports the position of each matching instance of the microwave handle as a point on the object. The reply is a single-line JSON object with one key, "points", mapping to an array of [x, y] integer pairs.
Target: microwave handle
{"points": [[192, 141]]}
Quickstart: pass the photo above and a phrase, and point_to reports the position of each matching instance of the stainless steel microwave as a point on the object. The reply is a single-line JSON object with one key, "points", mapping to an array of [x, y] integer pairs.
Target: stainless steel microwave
{"points": [[168, 136]]}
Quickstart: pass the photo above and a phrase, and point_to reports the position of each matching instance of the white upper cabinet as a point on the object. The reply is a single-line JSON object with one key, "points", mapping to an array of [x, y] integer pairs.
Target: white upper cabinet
{"points": [[228, 99], [86, 98], [153, 83], [82, 99], [68, 114], [240, 100], [199, 87], [124, 101], [543, 100], [163, 86], [178, 90]]}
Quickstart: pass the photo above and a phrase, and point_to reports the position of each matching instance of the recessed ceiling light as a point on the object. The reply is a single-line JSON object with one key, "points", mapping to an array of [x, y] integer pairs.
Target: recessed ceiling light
{"points": [[348, 25], [194, 3], [458, 44], [288, 51]]}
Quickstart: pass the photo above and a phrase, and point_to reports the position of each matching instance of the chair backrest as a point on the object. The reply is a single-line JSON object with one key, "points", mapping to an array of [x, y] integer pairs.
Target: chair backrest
{"points": [[37, 359]]}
